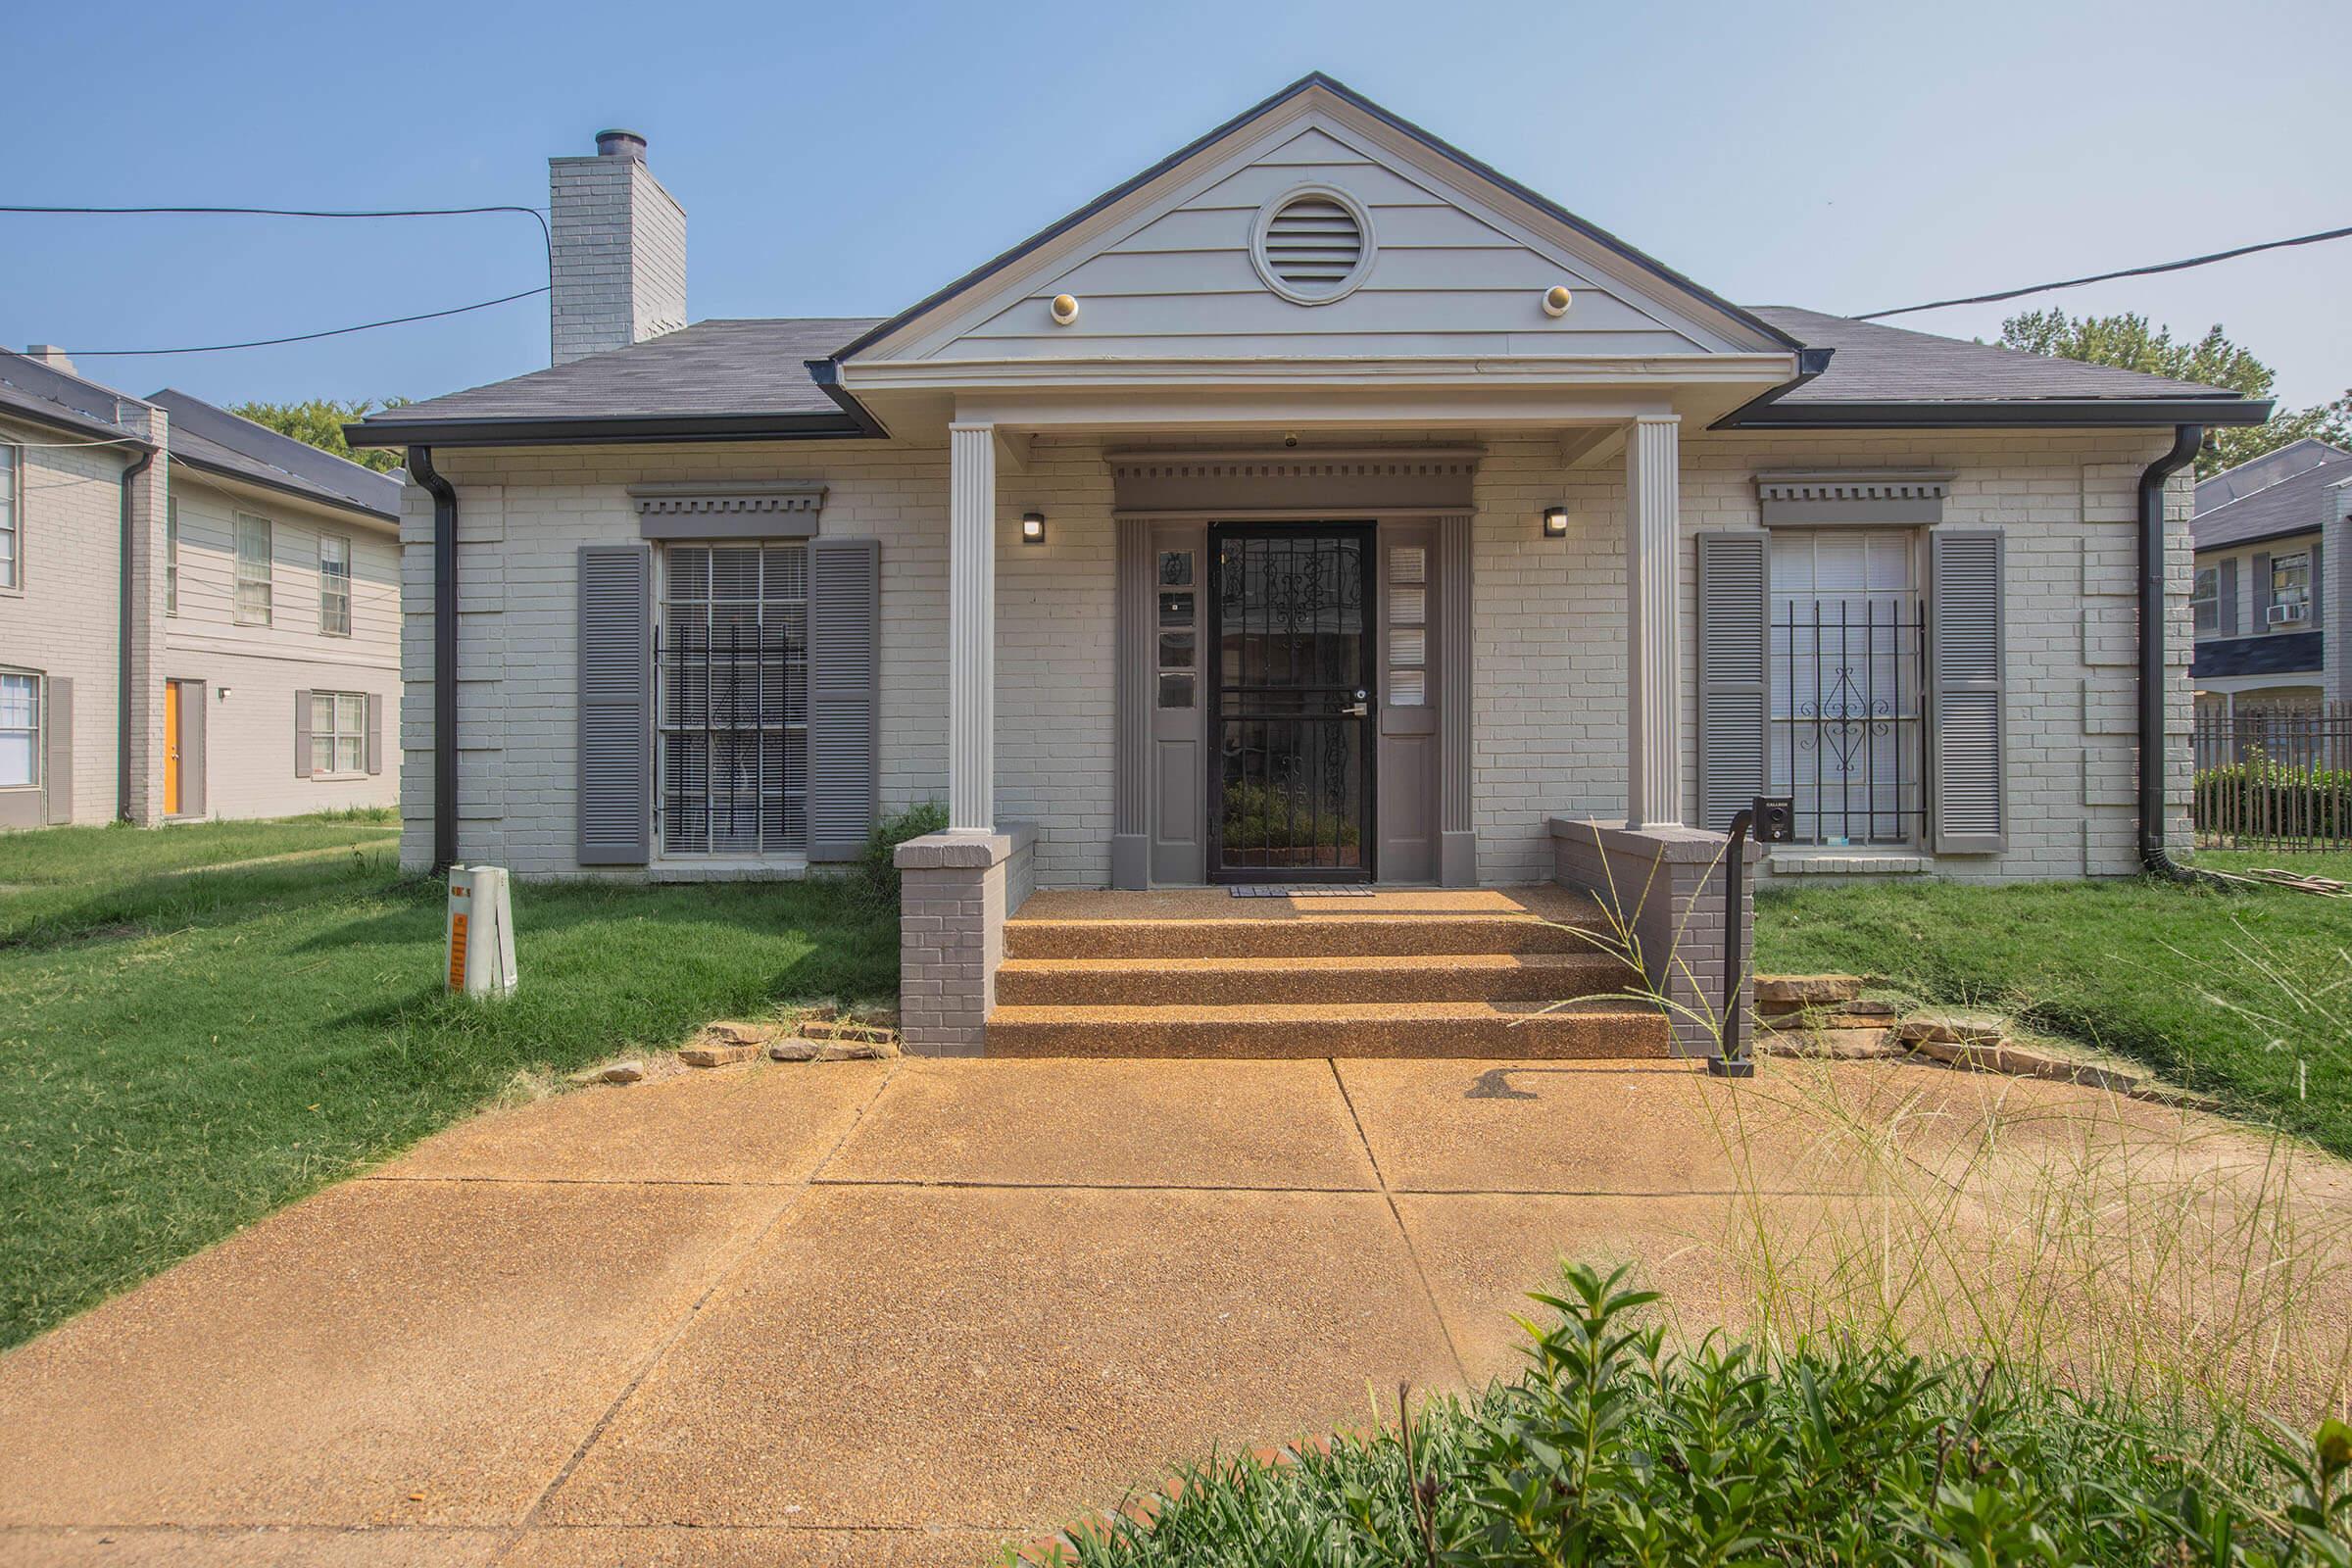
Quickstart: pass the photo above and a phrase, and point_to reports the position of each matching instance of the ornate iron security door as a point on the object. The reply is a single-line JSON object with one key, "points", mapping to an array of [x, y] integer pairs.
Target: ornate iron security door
{"points": [[1290, 610]]}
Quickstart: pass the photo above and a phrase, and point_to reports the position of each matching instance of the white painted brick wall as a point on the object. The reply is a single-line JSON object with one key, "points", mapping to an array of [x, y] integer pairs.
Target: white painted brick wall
{"points": [[619, 256], [1549, 696]]}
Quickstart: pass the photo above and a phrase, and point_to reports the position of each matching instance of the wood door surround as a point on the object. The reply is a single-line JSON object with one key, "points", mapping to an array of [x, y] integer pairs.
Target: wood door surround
{"points": [[1422, 749]]}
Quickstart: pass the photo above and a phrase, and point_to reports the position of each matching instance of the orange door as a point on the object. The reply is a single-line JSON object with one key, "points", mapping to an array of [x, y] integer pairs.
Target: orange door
{"points": [[171, 748]]}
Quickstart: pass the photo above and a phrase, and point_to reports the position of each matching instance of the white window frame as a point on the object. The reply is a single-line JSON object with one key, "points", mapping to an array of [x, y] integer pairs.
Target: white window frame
{"points": [[12, 516], [250, 589], [2205, 600], [2297, 589], [328, 593], [345, 747], [33, 732], [1911, 720], [172, 556]]}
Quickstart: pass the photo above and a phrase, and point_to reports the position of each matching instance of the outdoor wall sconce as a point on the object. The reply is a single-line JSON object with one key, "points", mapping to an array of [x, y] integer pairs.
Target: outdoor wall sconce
{"points": [[1556, 300], [1065, 309], [1555, 522], [1033, 528]]}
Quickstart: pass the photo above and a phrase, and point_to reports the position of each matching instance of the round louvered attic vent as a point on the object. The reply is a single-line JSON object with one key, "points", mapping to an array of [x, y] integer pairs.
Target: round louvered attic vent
{"points": [[1312, 245]]}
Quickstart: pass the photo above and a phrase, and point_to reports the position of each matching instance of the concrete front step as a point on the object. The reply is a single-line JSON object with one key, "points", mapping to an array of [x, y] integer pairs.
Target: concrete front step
{"points": [[1306, 936], [1584, 1030], [1196, 982]]}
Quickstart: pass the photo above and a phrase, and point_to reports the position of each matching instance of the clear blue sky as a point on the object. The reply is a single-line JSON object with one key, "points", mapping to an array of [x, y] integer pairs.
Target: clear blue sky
{"points": [[846, 159]]}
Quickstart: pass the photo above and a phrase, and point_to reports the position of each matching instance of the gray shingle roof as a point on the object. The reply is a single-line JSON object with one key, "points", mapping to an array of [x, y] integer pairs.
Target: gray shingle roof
{"points": [[60, 401], [711, 367], [218, 440], [2260, 473], [1874, 363], [757, 366], [2300, 503]]}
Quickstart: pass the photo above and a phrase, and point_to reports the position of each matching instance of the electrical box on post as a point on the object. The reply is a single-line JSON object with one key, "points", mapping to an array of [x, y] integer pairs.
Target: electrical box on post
{"points": [[481, 950]]}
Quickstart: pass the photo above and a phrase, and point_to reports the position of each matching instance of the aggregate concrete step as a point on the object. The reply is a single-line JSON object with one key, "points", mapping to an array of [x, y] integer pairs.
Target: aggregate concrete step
{"points": [[1197, 982], [1303, 936], [1587, 1030]]}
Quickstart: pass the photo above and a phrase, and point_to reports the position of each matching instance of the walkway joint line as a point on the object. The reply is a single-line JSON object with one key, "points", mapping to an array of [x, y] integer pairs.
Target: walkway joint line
{"points": [[726, 1275], [1428, 1291]]}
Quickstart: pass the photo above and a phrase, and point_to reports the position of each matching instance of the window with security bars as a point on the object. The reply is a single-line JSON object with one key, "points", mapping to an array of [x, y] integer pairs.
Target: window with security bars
{"points": [[1848, 677], [731, 659]]}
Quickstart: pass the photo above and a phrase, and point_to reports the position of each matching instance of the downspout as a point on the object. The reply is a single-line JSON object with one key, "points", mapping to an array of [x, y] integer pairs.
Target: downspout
{"points": [[123, 629], [2153, 856], [445, 656]]}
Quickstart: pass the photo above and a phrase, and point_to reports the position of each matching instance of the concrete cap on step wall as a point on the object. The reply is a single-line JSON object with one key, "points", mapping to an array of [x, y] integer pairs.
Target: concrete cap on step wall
{"points": [[938, 852]]}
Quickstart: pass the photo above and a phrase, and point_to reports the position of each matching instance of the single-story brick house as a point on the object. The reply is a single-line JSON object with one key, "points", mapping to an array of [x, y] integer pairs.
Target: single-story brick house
{"points": [[1319, 505]]}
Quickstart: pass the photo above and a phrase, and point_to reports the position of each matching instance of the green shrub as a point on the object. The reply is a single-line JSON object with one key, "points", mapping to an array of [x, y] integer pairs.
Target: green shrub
{"points": [[877, 867], [2260, 796], [1611, 1450]]}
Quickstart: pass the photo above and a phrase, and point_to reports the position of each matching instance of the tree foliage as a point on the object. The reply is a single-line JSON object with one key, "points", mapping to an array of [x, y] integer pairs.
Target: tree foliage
{"points": [[2127, 341], [321, 422]]}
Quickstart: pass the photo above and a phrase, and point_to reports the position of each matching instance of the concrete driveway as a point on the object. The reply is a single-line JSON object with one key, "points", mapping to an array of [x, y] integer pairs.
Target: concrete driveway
{"points": [[900, 1312]]}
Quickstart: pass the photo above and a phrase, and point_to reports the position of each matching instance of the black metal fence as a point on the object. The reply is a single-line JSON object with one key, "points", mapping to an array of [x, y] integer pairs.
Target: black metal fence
{"points": [[2273, 777], [1848, 678]]}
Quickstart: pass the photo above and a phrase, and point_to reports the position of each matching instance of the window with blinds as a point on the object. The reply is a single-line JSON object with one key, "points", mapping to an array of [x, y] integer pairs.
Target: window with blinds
{"points": [[254, 584], [731, 666]]}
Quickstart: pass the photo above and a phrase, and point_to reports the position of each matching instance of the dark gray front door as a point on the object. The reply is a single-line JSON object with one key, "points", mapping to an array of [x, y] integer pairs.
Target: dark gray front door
{"points": [[1292, 695]]}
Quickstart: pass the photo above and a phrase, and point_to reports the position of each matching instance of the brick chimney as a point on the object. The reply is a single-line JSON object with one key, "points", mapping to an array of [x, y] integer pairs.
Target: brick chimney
{"points": [[619, 263]]}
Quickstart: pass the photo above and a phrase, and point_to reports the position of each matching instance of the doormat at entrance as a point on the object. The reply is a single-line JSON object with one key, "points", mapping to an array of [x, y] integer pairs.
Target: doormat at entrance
{"points": [[1301, 890]]}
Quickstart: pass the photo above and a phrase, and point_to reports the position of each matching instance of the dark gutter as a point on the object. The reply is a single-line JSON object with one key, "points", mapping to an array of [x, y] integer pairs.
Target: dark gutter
{"points": [[445, 656], [123, 691], [2009, 413], [608, 430], [2293, 531], [316, 498], [2153, 855], [826, 374], [1810, 362], [1348, 95]]}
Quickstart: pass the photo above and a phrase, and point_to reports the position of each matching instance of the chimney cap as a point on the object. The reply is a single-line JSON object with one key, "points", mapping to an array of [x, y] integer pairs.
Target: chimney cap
{"points": [[621, 144]]}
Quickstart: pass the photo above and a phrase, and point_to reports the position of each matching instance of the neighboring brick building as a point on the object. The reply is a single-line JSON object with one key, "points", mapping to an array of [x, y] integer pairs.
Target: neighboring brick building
{"points": [[1318, 505], [240, 587], [2270, 627]]}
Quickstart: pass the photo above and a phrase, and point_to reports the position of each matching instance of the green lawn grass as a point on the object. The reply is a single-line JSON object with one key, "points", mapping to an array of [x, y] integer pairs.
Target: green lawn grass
{"points": [[186, 1045], [2246, 996]]}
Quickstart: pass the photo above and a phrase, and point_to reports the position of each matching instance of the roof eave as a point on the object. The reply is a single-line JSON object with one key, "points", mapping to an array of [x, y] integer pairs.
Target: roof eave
{"points": [[1932, 414], [283, 487], [73, 423], [2266, 537], [609, 430]]}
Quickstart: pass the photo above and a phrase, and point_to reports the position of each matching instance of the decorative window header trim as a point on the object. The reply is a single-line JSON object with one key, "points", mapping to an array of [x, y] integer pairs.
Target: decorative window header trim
{"points": [[1857, 484], [695, 500], [747, 511]]}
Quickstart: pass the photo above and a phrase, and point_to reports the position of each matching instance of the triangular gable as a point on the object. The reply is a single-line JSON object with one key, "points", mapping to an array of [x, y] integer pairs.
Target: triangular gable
{"points": [[1170, 265]]}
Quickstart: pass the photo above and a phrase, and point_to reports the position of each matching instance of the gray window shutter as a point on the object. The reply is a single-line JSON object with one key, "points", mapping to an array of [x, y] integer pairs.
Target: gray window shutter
{"points": [[615, 704], [1734, 643], [2260, 566], [375, 733], [2227, 625], [302, 735], [57, 749], [2317, 577], [1965, 677], [845, 664]]}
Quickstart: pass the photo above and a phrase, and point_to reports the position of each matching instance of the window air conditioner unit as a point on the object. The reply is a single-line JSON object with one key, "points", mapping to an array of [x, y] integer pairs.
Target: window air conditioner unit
{"points": [[2286, 615]]}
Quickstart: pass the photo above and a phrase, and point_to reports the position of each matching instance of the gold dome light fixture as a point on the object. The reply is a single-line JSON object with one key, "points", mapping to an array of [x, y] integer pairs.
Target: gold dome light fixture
{"points": [[1556, 300], [1065, 309]]}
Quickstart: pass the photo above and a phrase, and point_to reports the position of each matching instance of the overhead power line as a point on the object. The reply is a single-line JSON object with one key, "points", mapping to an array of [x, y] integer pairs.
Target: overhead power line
{"points": [[308, 337], [293, 212], [2101, 277]]}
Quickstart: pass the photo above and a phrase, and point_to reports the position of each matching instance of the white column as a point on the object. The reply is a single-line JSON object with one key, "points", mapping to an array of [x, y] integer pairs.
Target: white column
{"points": [[1652, 623], [971, 628]]}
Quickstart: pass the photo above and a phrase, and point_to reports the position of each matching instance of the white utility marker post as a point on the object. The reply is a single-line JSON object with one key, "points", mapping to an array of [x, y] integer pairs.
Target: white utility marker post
{"points": [[481, 932]]}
